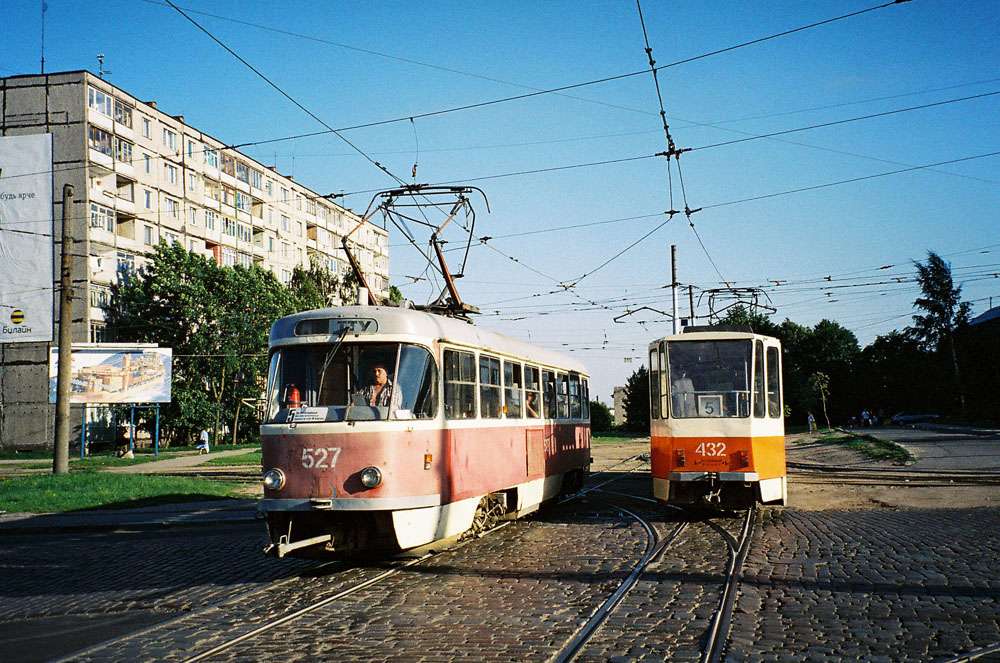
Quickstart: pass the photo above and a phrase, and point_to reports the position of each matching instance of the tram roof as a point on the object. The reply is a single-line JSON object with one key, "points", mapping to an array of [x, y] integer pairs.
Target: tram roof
{"points": [[716, 335], [393, 321]]}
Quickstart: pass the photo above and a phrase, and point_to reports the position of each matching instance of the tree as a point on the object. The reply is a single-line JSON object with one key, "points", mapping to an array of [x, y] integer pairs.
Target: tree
{"points": [[216, 319], [600, 417], [944, 313], [820, 385], [636, 401], [760, 323]]}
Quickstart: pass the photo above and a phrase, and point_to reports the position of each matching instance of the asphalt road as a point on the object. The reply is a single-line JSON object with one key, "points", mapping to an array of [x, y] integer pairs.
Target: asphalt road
{"points": [[939, 449]]}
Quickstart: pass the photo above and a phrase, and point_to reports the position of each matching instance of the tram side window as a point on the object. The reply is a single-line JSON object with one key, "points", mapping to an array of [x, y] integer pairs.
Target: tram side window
{"points": [[758, 380], [549, 382], [489, 387], [773, 383], [654, 384], [562, 395], [459, 384], [512, 389], [585, 392], [664, 381], [533, 399], [575, 402]]}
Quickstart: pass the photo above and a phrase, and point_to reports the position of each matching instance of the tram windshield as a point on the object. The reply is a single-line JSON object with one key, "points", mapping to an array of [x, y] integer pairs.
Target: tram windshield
{"points": [[710, 378], [351, 382]]}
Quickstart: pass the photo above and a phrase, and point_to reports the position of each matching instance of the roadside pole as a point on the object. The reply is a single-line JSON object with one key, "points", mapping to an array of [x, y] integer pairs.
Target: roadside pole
{"points": [[60, 461]]}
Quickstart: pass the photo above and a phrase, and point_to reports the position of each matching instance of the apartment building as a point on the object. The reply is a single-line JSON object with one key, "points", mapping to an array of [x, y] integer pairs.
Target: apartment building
{"points": [[141, 176]]}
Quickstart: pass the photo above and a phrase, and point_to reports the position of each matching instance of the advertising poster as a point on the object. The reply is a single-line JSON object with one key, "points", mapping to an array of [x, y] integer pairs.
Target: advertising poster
{"points": [[26, 281], [115, 374]]}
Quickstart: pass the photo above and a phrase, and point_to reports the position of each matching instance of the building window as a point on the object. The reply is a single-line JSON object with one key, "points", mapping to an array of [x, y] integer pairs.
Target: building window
{"points": [[99, 101], [98, 333], [171, 238], [211, 158], [311, 207], [298, 202], [193, 216], [286, 276], [284, 222], [146, 128], [126, 264], [228, 226], [245, 259], [173, 208], [228, 257], [228, 196], [270, 245], [229, 165], [212, 190], [242, 172], [298, 227], [192, 182], [170, 139], [102, 217], [210, 218], [100, 140], [244, 233], [190, 149], [170, 172], [123, 113], [243, 201], [123, 150], [147, 198], [256, 178], [284, 195], [147, 235], [146, 161], [284, 249]]}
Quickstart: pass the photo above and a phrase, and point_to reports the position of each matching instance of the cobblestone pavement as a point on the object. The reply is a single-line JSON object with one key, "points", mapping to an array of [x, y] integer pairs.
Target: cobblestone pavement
{"points": [[873, 585]]}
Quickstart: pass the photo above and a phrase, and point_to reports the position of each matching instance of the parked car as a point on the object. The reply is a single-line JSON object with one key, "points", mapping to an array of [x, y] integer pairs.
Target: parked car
{"points": [[912, 418]]}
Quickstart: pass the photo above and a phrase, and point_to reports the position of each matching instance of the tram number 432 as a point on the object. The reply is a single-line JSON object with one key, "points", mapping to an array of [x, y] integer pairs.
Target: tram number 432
{"points": [[711, 449], [320, 458]]}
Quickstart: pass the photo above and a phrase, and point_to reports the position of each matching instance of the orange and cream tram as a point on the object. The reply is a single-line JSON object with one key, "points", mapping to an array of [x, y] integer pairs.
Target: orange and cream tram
{"points": [[717, 432], [387, 428]]}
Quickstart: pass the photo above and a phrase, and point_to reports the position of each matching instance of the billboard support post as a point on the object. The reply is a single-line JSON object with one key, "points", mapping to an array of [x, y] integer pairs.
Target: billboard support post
{"points": [[60, 461]]}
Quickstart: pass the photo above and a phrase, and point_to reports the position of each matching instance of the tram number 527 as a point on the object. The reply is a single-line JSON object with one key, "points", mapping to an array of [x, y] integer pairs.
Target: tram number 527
{"points": [[711, 449], [320, 458]]}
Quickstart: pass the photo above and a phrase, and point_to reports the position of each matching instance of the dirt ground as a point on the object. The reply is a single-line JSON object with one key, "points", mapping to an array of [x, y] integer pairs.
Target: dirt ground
{"points": [[809, 492]]}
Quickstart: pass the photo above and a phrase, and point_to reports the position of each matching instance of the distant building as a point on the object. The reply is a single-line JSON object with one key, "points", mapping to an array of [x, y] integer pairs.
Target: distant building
{"points": [[141, 176], [619, 401]]}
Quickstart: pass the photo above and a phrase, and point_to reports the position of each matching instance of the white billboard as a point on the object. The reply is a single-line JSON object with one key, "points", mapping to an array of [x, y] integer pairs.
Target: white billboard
{"points": [[26, 238], [115, 373]]}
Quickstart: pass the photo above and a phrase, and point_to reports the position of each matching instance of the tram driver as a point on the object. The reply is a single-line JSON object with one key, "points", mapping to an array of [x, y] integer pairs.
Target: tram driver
{"points": [[682, 391], [382, 392]]}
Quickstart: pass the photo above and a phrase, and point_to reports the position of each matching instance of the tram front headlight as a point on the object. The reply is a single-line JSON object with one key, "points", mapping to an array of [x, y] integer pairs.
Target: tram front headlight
{"points": [[274, 479], [371, 477]]}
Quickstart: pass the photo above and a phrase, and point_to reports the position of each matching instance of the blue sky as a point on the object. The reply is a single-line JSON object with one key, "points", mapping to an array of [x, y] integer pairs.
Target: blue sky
{"points": [[351, 64]]}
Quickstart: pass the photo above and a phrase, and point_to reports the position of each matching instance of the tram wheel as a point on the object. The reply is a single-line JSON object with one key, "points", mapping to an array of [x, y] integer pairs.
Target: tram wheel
{"points": [[488, 513]]}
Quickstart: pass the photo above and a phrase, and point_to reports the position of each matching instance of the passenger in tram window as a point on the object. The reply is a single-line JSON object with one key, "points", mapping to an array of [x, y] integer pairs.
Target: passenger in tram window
{"points": [[683, 394], [382, 392], [531, 403]]}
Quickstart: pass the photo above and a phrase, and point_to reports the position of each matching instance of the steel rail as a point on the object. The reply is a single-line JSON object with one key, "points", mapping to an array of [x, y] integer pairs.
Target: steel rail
{"points": [[654, 549], [718, 632], [302, 611], [187, 615]]}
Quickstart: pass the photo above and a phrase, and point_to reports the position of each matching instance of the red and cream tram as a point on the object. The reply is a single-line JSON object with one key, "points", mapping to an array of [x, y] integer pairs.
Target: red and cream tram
{"points": [[387, 427], [717, 430]]}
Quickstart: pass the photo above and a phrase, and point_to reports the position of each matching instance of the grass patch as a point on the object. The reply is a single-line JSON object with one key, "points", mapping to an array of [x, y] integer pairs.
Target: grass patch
{"points": [[616, 436], [48, 493], [870, 446], [252, 458]]}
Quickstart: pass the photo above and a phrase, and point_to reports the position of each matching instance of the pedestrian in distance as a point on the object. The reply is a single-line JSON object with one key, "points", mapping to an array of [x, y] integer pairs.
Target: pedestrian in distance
{"points": [[203, 445], [812, 422]]}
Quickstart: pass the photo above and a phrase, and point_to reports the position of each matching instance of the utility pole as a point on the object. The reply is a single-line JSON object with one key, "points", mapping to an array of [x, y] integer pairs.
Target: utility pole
{"points": [[60, 461], [691, 302], [673, 284]]}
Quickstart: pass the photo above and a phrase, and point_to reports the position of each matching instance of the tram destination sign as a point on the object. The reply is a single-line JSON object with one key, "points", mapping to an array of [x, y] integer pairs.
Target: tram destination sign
{"points": [[26, 233], [115, 373]]}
